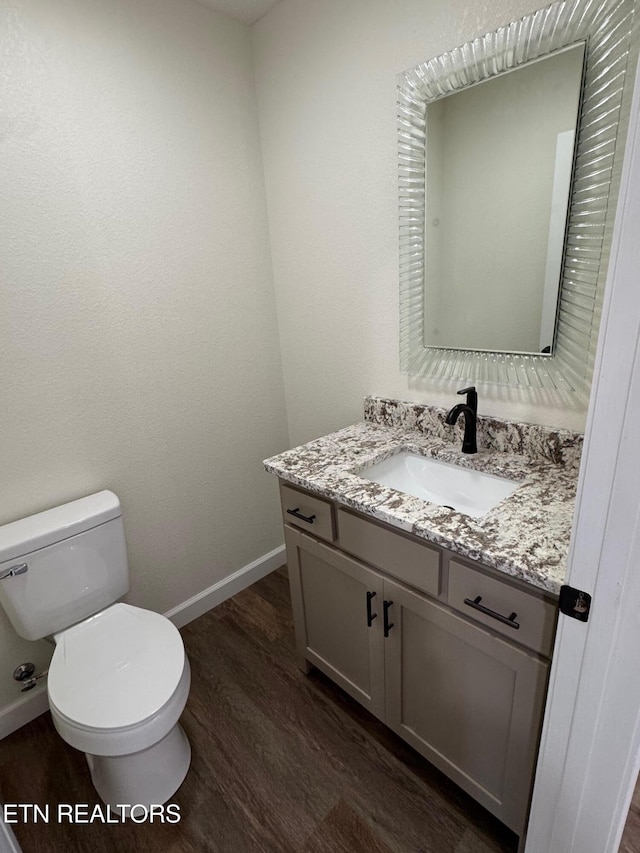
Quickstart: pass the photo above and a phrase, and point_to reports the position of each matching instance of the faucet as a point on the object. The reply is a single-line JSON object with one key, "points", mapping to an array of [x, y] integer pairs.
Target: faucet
{"points": [[470, 411]]}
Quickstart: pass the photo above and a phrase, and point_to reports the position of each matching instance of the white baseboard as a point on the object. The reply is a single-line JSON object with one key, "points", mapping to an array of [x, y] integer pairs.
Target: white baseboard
{"points": [[32, 704], [29, 706], [218, 592]]}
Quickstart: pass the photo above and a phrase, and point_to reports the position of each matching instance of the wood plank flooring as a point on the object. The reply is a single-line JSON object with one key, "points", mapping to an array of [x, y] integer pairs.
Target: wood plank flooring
{"points": [[281, 761]]}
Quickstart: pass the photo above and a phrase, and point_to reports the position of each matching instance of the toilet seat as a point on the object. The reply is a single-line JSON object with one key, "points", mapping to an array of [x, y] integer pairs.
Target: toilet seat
{"points": [[115, 670], [131, 739]]}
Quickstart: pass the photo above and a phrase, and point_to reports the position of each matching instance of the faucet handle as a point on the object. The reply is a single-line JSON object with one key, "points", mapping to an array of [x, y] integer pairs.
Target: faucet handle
{"points": [[472, 397]]}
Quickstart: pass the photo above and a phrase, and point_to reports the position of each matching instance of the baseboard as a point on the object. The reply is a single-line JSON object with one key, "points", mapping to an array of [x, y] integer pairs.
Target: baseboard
{"points": [[31, 705], [189, 610]]}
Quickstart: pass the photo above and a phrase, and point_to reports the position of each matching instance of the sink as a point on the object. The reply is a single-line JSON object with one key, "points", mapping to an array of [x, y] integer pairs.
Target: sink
{"points": [[463, 489]]}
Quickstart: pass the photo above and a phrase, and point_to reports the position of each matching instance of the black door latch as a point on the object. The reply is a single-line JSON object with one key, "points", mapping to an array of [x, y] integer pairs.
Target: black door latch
{"points": [[574, 603]]}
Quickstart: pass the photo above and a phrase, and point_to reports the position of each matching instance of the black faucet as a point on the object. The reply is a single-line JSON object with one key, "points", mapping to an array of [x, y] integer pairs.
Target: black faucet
{"points": [[470, 411]]}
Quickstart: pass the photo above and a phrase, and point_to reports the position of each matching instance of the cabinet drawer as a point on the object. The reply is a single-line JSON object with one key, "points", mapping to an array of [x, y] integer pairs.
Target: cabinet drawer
{"points": [[308, 513], [535, 617], [412, 562]]}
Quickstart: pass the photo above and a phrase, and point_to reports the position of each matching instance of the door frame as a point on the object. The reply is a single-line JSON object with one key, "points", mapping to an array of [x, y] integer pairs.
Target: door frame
{"points": [[590, 748]]}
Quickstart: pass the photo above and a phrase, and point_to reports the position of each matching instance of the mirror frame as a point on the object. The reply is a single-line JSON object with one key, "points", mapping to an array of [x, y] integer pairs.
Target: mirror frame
{"points": [[607, 28]]}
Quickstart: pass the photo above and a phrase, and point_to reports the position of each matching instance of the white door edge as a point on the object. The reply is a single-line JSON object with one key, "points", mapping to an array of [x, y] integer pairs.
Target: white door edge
{"points": [[590, 748]]}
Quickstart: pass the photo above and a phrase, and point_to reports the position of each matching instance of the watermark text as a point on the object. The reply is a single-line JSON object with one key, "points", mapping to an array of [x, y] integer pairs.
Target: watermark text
{"points": [[89, 813]]}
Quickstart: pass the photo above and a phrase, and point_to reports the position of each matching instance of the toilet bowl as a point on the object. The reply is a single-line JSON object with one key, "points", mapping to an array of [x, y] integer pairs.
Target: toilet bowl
{"points": [[118, 683], [119, 678]]}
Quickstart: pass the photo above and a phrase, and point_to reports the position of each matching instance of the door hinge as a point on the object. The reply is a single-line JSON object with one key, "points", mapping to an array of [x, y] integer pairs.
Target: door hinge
{"points": [[574, 603]]}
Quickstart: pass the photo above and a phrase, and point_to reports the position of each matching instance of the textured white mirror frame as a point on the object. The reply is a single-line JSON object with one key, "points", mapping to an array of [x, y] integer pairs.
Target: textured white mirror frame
{"points": [[607, 27]]}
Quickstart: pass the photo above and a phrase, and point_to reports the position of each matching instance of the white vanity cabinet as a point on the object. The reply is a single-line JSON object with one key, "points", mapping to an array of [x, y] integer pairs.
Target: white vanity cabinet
{"points": [[453, 658]]}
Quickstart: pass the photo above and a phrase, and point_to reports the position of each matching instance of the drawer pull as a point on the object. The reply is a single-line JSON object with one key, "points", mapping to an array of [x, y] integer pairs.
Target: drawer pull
{"points": [[370, 616], [387, 625], [298, 514], [506, 620]]}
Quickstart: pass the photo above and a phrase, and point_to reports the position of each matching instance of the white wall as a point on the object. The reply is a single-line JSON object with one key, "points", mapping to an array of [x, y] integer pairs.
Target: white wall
{"points": [[138, 332], [326, 81], [138, 337]]}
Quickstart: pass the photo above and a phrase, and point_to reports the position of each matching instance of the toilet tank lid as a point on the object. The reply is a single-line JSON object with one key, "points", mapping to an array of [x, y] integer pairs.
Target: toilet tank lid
{"points": [[19, 538]]}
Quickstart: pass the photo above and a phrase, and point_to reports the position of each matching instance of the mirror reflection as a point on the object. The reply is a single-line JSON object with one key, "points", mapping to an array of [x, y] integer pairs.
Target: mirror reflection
{"points": [[499, 161]]}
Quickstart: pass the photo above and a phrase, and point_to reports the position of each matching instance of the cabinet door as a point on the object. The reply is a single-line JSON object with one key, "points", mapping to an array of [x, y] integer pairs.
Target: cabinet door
{"points": [[331, 596], [468, 701]]}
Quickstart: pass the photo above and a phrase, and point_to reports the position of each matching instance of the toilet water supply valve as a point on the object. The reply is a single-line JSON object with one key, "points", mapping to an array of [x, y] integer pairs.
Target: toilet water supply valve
{"points": [[25, 674]]}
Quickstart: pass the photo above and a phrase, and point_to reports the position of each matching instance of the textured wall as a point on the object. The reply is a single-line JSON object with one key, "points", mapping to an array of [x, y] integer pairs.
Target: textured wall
{"points": [[326, 78], [138, 336]]}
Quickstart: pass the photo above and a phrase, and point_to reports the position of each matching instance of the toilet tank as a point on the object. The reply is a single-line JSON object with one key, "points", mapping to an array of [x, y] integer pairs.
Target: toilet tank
{"points": [[76, 565]]}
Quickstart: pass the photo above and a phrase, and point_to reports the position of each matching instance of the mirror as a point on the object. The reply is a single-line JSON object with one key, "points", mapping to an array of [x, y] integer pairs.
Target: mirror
{"points": [[462, 316], [499, 158]]}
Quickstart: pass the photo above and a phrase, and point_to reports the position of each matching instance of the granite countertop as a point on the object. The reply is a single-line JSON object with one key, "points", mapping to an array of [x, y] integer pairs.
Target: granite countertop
{"points": [[526, 535]]}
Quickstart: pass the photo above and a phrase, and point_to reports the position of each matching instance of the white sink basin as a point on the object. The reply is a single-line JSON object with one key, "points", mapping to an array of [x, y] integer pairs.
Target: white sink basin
{"points": [[463, 489]]}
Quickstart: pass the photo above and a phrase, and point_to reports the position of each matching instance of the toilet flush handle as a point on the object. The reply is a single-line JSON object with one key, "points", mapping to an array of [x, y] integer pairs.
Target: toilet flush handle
{"points": [[20, 569]]}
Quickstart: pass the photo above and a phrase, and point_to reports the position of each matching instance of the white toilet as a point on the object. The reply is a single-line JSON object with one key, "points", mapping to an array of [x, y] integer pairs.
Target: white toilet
{"points": [[119, 677]]}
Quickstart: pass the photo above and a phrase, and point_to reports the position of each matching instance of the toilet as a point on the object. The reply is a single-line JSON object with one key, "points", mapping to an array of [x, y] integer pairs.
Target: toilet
{"points": [[119, 676]]}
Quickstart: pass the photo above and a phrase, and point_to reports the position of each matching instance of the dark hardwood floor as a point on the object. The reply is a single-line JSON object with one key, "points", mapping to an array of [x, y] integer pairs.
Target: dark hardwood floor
{"points": [[281, 761]]}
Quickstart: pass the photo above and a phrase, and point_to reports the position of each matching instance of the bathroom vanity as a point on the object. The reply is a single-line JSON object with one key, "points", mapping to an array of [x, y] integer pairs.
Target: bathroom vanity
{"points": [[441, 624]]}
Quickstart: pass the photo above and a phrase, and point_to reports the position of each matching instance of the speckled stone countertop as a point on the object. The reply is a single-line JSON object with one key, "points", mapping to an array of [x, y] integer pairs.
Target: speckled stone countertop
{"points": [[526, 535]]}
